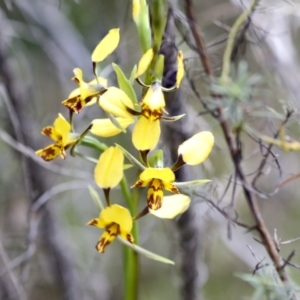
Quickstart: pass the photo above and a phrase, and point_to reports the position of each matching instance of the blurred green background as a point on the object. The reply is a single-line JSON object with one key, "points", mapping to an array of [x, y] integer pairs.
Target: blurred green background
{"points": [[41, 42]]}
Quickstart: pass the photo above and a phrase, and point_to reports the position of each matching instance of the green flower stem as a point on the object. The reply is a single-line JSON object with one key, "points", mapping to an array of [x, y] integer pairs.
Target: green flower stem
{"points": [[231, 39], [131, 259]]}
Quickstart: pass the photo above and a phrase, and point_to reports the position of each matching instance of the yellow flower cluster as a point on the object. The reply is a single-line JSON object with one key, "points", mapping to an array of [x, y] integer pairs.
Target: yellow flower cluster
{"points": [[122, 109]]}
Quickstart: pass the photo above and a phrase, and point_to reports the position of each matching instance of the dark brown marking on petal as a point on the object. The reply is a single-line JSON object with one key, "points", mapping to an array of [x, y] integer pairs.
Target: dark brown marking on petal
{"points": [[75, 79], [175, 190], [152, 115], [139, 183], [74, 104], [62, 153], [129, 238], [102, 244], [110, 231], [78, 107], [94, 222], [47, 131], [154, 201], [88, 99]]}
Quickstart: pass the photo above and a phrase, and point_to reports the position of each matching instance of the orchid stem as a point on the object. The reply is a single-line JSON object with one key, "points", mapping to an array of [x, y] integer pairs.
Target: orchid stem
{"points": [[131, 260]]}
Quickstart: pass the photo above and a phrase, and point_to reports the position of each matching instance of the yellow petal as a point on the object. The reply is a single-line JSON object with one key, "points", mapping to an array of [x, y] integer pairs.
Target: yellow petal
{"points": [[180, 68], [116, 214], [105, 128], [49, 153], [155, 194], [171, 187], [114, 101], [97, 222], [164, 174], [51, 132], [109, 169], [196, 149], [146, 134], [107, 45], [154, 98], [144, 62], [127, 236], [63, 127], [107, 237], [172, 206]]}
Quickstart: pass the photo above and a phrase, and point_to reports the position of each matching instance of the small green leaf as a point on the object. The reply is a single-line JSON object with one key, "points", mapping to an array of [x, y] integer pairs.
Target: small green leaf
{"points": [[114, 120], [132, 74], [124, 83], [127, 166], [132, 159], [190, 183], [95, 197], [157, 159], [146, 253], [91, 142]]}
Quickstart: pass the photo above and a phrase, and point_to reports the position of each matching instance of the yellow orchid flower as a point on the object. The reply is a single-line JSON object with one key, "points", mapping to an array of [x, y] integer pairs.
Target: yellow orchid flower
{"points": [[146, 132], [158, 179], [60, 133], [116, 220], [87, 92]]}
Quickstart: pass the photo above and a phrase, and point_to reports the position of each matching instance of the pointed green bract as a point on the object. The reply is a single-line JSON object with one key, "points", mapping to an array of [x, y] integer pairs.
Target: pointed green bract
{"points": [[132, 74], [157, 159], [159, 66], [142, 21], [190, 183], [131, 158], [116, 122], [124, 83], [91, 142], [146, 253], [95, 196], [158, 21]]}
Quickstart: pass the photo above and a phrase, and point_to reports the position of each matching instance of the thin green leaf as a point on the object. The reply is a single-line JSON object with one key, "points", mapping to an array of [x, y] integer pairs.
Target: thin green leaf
{"points": [[132, 74], [146, 253], [95, 197], [132, 159], [124, 83], [190, 183], [127, 166], [115, 122], [91, 142], [86, 157]]}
